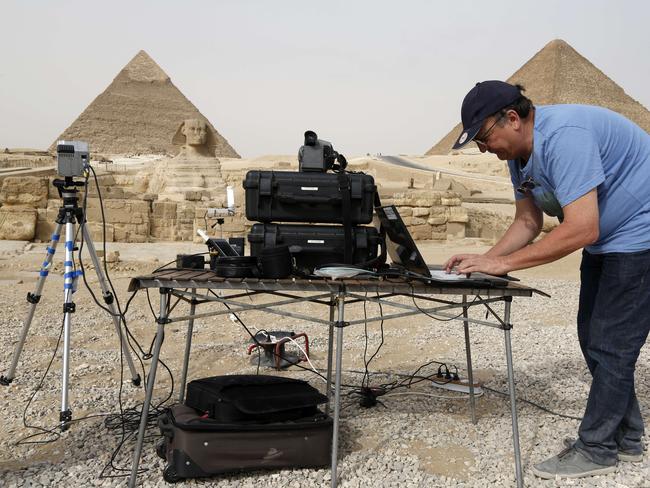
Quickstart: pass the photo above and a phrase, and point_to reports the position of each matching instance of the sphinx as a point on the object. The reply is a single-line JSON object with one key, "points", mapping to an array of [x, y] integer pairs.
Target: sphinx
{"points": [[195, 172]]}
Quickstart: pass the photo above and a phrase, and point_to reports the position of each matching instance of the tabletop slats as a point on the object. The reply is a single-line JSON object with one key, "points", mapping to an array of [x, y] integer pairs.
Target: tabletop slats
{"points": [[186, 278]]}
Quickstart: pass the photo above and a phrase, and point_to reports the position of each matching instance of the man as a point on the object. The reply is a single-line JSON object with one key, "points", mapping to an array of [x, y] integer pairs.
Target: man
{"points": [[590, 167]]}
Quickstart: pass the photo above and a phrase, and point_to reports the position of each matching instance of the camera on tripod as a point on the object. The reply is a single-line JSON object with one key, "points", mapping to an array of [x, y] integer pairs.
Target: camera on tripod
{"points": [[318, 155], [72, 158]]}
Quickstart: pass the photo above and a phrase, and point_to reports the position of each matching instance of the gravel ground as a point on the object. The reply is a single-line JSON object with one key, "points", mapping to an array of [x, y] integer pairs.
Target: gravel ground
{"points": [[412, 440]]}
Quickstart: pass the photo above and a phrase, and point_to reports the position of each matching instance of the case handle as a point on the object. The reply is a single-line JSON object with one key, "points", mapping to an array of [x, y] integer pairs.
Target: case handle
{"points": [[309, 199]]}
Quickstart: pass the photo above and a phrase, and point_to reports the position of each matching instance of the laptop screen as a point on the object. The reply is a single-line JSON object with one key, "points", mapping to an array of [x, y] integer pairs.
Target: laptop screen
{"points": [[224, 247], [399, 243]]}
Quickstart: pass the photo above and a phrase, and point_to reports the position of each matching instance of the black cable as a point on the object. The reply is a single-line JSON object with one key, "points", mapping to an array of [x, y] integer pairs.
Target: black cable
{"points": [[41, 430], [128, 421], [365, 382], [256, 341], [436, 318], [537, 405], [487, 388], [121, 314], [365, 347], [122, 420], [174, 261]]}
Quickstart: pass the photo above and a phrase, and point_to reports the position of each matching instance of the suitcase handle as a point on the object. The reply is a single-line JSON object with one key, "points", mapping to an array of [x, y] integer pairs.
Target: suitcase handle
{"points": [[309, 199], [166, 428]]}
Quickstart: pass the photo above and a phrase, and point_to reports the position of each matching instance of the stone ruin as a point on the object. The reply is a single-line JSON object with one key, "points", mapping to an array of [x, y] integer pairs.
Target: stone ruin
{"points": [[431, 215], [168, 199], [30, 206], [22, 198]]}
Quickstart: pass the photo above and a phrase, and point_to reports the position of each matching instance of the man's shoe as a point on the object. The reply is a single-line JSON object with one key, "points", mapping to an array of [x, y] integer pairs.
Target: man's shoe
{"points": [[570, 463], [627, 456]]}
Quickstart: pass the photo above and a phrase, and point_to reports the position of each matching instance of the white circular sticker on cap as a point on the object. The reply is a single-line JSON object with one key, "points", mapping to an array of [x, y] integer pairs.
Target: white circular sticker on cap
{"points": [[463, 138]]}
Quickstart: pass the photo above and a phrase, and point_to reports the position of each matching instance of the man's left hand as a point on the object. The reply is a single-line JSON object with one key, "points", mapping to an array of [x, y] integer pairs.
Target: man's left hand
{"points": [[482, 264]]}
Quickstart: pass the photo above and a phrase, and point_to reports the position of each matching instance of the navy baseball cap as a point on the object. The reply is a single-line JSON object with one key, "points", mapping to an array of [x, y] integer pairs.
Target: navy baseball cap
{"points": [[485, 99]]}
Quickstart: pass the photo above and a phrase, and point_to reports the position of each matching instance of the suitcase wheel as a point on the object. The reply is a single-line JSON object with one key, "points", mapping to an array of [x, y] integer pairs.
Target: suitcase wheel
{"points": [[161, 449], [170, 475]]}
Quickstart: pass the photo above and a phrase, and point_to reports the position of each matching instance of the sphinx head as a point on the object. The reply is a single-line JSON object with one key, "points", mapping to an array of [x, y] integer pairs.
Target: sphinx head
{"points": [[195, 132], [195, 138]]}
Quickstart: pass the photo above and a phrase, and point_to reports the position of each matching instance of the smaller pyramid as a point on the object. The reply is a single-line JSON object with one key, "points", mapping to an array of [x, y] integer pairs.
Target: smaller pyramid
{"points": [[559, 74], [139, 113]]}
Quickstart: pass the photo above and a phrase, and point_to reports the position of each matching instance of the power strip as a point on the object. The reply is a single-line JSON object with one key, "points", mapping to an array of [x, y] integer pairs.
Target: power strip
{"points": [[461, 386]]}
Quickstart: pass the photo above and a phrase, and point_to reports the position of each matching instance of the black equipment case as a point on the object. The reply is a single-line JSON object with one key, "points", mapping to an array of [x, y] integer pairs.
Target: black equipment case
{"points": [[194, 446], [253, 398], [289, 196], [316, 245]]}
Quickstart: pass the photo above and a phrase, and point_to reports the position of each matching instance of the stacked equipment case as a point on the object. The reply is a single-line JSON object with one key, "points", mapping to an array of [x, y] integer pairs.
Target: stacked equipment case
{"points": [[347, 199]]}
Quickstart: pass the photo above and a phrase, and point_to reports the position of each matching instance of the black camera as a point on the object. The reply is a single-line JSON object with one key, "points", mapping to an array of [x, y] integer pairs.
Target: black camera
{"points": [[318, 155]]}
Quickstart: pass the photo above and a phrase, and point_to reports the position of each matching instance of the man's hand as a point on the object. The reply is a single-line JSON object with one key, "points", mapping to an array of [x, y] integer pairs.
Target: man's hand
{"points": [[453, 261], [472, 263]]}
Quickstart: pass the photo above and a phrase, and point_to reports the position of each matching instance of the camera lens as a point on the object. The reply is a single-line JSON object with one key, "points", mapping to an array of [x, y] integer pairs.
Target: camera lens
{"points": [[310, 138]]}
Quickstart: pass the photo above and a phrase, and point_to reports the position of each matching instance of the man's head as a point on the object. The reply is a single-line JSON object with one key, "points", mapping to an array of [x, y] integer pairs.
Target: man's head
{"points": [[495, 116]]}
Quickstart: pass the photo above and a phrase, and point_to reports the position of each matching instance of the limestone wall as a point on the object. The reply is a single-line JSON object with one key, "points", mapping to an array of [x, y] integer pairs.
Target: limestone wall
{"points": [[431, 215], [21, 199]]}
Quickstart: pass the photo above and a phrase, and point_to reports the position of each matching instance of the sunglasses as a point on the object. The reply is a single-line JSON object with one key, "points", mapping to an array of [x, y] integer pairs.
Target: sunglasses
{"points": [[482, 141], [526, 186]]}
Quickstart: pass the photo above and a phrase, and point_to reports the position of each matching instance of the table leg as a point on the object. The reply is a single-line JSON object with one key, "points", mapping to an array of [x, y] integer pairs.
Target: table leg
{"points": [[151, 379], [188, 347], [513, 397], [470, 372], [330, 344], [337, 387]]}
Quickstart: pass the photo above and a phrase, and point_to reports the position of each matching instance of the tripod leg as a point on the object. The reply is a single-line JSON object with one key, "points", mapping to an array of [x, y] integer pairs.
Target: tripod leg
{"points": [[110, 302], [33, 299], [68, 309]]}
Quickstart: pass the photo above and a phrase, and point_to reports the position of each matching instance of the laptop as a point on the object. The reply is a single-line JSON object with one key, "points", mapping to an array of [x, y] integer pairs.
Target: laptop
{"points": [[406, 256]]}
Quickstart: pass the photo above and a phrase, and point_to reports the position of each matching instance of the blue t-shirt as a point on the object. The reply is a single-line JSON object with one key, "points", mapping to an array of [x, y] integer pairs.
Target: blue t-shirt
{"points": [[577, 148]]}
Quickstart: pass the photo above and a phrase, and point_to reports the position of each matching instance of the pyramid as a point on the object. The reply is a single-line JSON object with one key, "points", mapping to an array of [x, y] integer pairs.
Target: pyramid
{"points": [[559, 74], [139, 112]]}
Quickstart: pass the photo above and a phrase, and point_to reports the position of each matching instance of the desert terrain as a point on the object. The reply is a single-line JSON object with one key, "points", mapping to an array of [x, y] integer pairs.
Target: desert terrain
{"points": [[420, 437]]}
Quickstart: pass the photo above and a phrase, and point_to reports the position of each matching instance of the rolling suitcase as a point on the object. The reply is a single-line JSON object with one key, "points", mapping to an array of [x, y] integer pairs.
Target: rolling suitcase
{"points": [[289, 196], [316, 245], [195, 446]]}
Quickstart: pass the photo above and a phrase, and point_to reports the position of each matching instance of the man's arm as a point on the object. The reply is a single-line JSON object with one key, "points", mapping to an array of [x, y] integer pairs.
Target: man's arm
{"points": [[526, 226], [579, 229]]}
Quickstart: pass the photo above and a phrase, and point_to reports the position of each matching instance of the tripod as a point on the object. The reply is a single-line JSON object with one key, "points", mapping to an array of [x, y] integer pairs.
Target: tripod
{"points": [[69, 214]]}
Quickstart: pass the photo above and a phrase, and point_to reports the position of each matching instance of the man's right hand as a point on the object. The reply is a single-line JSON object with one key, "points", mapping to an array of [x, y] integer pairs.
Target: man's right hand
{"points": [[455, 259]]}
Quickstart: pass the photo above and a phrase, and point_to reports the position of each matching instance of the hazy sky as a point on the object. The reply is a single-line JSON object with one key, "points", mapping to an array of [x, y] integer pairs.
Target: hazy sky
{"points": [[369, 76]]}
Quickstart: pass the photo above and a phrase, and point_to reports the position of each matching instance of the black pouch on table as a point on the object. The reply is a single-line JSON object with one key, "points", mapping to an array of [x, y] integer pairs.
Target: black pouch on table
{"points": [[289, 196], [253, 398], [195, 446], [316, 245]]}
